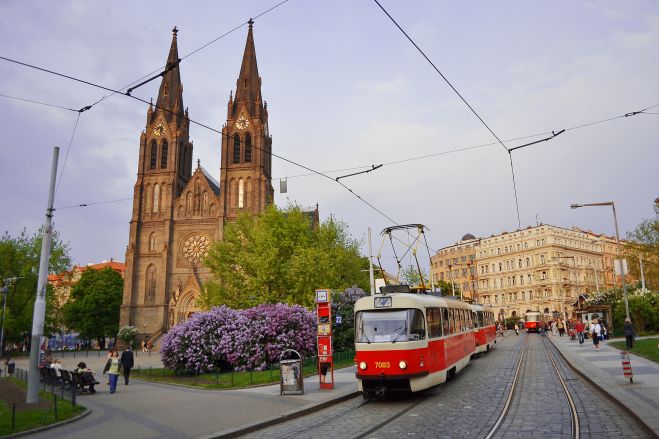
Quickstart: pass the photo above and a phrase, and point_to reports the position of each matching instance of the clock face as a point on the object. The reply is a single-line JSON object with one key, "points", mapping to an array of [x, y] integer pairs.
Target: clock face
{"points": [[159, 129], [242, 123], [195, 248]]}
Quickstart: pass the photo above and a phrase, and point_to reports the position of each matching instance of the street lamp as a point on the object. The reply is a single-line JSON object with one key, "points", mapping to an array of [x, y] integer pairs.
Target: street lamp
{"points": [[615, 221], [5, 291]]}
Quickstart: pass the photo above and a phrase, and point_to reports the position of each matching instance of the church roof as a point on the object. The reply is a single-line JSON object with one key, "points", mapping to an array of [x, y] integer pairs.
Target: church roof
{"points": [[467, 237], [215, 186], [248, 86], [170, 94]]}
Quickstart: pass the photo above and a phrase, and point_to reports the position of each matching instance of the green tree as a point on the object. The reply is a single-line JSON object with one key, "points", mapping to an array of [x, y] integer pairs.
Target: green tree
{"points": [[446, 288], [19, 257], [279, 256], [93, 307], [643, 242], [410, 276], [343, 314]]}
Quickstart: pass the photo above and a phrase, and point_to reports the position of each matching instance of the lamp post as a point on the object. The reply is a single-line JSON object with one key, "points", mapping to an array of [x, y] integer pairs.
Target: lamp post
{"points": [[5, 290], [622, 270]]}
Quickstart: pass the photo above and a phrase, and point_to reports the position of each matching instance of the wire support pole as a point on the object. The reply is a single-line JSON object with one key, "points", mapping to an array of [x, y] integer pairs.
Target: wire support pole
{"points": [[40, 301]]}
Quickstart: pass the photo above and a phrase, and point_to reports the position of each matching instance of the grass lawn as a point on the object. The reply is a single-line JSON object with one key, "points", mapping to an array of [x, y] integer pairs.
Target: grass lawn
{"points": [[32, 416], [230, 380], [645, 348]]}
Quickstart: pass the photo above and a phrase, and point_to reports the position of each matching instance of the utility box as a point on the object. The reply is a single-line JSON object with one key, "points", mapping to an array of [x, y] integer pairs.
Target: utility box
{"points": [[291, 378]]}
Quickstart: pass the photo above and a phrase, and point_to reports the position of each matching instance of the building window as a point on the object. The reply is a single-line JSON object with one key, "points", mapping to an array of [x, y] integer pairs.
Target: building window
{"points": [[150, 287], [528, 277], [156, 198], [154, 155], [241, 193], [500, 266], [236, 148], [544, 275], [528, 262], [163, 154], [248, 148], [542, 259], [519, 263]]}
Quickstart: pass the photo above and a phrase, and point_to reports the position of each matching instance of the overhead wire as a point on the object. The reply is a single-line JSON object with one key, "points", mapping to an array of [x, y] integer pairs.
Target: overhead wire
{"points": [[66, 157], [167, 110]]}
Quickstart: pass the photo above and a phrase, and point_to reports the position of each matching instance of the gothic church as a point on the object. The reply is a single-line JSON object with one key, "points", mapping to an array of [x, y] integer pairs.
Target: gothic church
{"points": [[179, 211]]}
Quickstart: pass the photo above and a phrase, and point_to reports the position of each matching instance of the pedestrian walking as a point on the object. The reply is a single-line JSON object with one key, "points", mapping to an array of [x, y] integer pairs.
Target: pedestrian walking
{"points": [[580, 328], [595, 330], [127, 362], [144, 345], [500, 330], [554, 329], [516, 329], [561, 328], [113, 367], [630, 333]]}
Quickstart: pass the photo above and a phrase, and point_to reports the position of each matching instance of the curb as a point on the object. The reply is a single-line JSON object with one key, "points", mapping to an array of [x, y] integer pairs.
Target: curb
{"points": [[608, 394], [48, 427], [278, 419]]}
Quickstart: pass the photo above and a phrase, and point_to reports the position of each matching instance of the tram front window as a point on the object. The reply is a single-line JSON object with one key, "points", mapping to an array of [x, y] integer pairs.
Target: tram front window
{"points": [[389, 326]]}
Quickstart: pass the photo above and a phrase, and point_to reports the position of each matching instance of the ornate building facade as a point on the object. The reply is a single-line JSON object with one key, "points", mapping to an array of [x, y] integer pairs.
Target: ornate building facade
{"points": [[178, 211], [543, 268]]}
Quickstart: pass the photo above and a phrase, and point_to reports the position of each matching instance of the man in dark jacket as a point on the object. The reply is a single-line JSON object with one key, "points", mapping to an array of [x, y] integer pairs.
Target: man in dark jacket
{"points": [[127, 362]]}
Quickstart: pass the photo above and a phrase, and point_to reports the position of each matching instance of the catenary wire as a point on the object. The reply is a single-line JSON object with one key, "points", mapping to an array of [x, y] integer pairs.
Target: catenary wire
{"points": [[37, 102], [359, 197], [66, 157]]}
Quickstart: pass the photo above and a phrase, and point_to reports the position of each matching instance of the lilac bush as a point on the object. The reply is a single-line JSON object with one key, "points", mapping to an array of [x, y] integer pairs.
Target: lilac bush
{"points": [[246, 340]]}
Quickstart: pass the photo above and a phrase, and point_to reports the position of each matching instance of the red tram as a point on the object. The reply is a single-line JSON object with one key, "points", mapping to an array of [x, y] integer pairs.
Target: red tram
{"points": [[532, 320], [485, 329], [411, 342]]}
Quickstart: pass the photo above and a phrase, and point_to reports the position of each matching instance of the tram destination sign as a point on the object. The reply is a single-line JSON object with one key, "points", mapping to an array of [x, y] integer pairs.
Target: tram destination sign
{"points": [[383, 302]]}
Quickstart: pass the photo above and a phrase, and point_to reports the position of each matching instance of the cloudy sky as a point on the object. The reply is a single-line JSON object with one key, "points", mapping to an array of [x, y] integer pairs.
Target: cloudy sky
{"points": [[345, 89]]}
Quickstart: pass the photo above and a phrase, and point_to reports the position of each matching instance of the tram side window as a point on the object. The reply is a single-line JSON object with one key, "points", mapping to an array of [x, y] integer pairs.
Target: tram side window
{"points": [[451, 321], [458, 321], [470, 320], [445, 322], [481, 322], [433, 316]]}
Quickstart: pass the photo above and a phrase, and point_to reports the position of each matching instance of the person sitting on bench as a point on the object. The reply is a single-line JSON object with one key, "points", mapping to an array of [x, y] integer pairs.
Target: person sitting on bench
{"points": [[87, 376]]}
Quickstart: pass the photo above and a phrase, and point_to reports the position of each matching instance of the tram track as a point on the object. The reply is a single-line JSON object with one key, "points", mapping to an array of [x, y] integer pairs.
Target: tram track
{"points": [[515, 389]]}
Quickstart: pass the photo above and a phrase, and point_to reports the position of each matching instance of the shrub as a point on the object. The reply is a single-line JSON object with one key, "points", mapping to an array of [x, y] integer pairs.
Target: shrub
{"points": [[245, 339]]}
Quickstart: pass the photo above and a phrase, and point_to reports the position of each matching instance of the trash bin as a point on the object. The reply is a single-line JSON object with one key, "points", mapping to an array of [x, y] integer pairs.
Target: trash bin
{"points": [[11, 368], [291, 377]]}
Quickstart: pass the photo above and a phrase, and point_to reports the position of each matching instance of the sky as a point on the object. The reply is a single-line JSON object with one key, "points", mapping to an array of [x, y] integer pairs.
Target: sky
{"points": [[345, 89]]}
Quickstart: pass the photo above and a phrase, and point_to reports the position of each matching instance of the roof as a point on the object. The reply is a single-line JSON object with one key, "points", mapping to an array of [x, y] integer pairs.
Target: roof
{"points": [[467, 237], [214, 184]]}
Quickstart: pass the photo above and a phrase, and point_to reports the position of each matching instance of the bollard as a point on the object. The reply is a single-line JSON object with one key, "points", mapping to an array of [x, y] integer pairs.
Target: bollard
{"points": [[626, 366]]}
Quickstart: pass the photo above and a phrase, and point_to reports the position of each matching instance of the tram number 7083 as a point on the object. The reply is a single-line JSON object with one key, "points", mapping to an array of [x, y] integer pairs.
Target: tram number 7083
{"points": [[382, 364]]}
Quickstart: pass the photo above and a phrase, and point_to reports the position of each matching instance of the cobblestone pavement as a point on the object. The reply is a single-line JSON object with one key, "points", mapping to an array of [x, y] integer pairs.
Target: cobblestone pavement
{"points": [[469, 405]]}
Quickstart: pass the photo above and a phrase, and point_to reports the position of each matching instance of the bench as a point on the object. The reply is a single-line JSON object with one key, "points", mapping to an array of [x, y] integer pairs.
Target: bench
{"points": [[82, 383]]}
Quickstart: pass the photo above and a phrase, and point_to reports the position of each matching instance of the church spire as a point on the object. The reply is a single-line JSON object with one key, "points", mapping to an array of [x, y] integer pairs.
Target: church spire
{"points": [[248, 86], [170, 95]]}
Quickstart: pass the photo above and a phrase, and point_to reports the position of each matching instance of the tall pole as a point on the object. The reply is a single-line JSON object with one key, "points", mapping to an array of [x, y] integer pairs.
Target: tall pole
{"points": [[371, 277], [5, 290], [622, 268], [40, 301]]}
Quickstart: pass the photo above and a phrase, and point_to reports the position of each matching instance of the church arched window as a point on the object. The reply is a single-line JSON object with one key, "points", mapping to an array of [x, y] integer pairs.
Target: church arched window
{"points": [[248, 148], [152, 242], [156, 198], [205, 200], [163, 154], [188, 201], [236, 148], [241, 193], [154, 155], [150, 287]]}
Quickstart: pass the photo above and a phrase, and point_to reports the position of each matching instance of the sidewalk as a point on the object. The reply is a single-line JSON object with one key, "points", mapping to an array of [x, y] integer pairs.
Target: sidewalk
{"points": [[604, 369], [146, 410]]}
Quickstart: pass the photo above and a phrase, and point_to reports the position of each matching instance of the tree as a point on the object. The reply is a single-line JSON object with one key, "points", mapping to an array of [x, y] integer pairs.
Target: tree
{"points": [[19, 257], [93, 307], [447, 289], [644, 242], [343, 311], [279, 256], [411, 277]]}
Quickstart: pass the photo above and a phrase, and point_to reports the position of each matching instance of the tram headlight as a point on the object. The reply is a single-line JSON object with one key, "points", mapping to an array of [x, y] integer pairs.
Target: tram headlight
{"points": [[402, 365], [362, 365]]}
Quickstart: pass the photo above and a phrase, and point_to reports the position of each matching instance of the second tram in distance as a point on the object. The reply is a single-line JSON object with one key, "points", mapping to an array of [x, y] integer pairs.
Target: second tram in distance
{"points": [[410, 342], [532, 321]]}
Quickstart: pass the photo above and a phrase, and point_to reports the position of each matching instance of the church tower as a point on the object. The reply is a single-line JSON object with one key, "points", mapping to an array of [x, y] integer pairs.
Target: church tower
{"points": [[164, 168], [179, 212], [246, 169]]}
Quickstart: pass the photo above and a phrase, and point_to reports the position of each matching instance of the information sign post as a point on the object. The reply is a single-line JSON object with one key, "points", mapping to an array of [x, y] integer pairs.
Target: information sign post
{"points": [[324, 337]]}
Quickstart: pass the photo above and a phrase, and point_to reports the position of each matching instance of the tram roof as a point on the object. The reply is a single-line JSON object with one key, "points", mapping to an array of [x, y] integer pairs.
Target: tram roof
{"points": [[409, 300]]}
